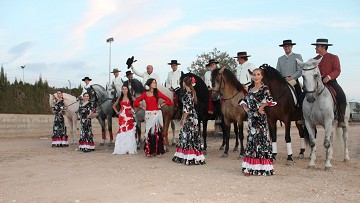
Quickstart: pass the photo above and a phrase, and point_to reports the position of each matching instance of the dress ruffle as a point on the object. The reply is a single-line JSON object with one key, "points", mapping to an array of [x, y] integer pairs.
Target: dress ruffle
{"points": [[125, 142]]}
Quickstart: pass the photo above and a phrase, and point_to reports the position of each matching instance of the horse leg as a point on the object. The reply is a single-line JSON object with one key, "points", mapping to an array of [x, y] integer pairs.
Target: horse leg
{"points": [[289, 160], [172, 123], [327, 145], [109, 120], [205, 122], [236, 131], [302, 130], [272, 131], [312, 141], [74, 125], [138, 134], [166, 120], [103, 134], [226, 131], [241, 136], [345, 136]]}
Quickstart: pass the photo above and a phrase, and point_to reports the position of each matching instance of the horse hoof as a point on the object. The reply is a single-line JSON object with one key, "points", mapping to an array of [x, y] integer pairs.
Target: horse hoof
{"points": [[240, 157], [301, 156], [311, 166], [224, 155], [221, 148], [102, 144], [236, 149], [173, 144], [166, 150], [289, 163], [327, 168]]}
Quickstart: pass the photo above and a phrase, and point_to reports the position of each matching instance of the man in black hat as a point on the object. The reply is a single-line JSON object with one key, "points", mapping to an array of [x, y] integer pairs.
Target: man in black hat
{"points": [[330, 70], [211, 65], [173, 79], [129, 75], [288, 67], [242, 71], [86, 80]]}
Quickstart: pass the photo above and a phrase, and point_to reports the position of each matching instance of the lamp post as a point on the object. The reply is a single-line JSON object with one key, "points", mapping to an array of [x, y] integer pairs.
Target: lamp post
{"points": [[23, 68], [109, 40], [69, 86]]}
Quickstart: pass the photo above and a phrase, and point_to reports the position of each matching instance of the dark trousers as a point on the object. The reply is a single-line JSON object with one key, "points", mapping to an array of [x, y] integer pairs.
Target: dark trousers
{"points": [[340, 99]]}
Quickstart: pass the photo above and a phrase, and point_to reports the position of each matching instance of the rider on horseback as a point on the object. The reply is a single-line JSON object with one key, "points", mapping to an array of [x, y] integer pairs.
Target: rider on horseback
{"points": [[288, 67], [330, 70]]}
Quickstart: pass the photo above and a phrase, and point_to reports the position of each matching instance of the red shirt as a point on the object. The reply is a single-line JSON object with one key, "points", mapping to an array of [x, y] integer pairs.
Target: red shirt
{"points": [[329, 65], [151, 103]]}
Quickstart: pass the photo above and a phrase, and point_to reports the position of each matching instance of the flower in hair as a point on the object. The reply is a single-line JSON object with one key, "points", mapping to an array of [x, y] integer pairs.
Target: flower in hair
{"points": [[193, 81], [147, 87]]}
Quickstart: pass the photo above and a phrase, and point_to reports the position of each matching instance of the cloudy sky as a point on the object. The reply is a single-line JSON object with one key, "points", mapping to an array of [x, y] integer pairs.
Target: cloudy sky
{"points": [[63, 41]]}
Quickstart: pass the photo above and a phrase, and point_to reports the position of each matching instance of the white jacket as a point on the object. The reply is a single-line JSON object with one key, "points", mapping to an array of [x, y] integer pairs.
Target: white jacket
{"points": [[173, 79], [146, 76], [242, 73]]}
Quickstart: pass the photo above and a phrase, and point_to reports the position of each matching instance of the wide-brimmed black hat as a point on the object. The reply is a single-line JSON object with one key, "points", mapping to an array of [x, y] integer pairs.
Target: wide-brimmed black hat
{"points": [[174, 62], [86, 78], [242, 54], [287, 42], [115, 70], [322, 42], [212, 61], [130, 61], [129, 72]]}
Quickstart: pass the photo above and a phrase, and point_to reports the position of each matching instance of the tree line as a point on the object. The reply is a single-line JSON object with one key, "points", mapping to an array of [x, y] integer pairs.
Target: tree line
{"points": [[23, 98]]}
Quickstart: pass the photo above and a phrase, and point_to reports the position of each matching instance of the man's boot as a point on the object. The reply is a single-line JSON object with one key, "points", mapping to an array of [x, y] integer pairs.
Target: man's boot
{"points": [[341, 114]]}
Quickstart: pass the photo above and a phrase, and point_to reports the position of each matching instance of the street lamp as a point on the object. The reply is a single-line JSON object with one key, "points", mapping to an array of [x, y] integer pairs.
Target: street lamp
{"points": [[23, 68], [69, 86], [109, 40]]}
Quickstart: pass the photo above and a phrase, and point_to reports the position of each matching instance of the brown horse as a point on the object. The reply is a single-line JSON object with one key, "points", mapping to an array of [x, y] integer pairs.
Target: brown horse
{"points": [[286, 110], [226, 84]]}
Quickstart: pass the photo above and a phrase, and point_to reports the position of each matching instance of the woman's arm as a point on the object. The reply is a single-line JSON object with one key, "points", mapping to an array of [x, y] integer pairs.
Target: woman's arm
{"points": [[115, 105], [165, 98]]}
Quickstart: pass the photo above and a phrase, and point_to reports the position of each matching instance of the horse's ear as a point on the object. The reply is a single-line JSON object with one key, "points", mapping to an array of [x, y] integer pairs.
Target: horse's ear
{"points": [[300, 63], [221, 71], [316, 62]]}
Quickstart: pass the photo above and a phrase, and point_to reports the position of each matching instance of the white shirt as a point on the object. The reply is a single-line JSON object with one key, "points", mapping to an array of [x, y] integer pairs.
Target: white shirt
{"points": [[207, 78], [242, 73], [146, 76], [173, 79], [85, 88], [116, 85]]}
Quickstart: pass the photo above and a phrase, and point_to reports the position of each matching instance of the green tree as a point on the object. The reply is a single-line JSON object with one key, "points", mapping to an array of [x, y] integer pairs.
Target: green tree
{"points": [[357, 107], [225, 60]]}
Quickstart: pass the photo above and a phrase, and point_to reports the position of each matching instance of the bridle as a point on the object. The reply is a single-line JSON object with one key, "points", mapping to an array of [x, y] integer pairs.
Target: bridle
{"points": [[96, 97], [317, 84], [218, 91]]}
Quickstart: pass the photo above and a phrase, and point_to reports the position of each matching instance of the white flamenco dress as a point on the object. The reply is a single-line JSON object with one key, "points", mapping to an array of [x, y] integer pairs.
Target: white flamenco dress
{"points": [[125, 139]]}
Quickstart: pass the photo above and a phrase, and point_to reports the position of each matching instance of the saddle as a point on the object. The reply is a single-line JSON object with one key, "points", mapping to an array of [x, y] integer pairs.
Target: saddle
{"points": [[332, 92]]}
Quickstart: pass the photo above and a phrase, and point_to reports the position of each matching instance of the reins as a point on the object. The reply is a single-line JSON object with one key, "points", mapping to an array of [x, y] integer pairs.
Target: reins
{"points": [[221, 81], [317, 84]]}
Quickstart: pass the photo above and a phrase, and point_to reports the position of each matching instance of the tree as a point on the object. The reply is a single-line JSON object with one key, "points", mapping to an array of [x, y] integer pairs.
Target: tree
{"points": [[357, 108], [225, 60]]}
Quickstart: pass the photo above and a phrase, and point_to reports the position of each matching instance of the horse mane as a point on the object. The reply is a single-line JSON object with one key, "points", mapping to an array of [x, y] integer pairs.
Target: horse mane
{"points": [[271, 74], [137, 86], [230, 76], [200, 87]]}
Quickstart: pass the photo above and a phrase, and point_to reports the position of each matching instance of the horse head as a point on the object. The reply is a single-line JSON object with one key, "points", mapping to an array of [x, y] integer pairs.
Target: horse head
{"points": [[313, 85], [98, 94]]}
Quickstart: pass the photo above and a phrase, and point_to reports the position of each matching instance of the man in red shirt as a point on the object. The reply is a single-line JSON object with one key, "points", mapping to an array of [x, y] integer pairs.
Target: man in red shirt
{"points": [[330, 70]]}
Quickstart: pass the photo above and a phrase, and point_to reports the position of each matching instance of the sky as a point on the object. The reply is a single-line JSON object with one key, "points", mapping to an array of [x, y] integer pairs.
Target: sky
{"points": [[63, 41]]}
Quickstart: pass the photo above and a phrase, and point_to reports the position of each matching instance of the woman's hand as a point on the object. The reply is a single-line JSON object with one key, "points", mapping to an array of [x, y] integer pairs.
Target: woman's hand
{"points": [[245, 107]]}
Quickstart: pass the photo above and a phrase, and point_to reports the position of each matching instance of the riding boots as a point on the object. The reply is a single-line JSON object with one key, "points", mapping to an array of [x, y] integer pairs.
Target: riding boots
{"points": [[341, 113]]}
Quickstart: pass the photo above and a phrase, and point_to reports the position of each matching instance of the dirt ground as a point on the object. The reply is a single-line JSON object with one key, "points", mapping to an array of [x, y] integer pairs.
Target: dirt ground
{"points": [[32, 171]]}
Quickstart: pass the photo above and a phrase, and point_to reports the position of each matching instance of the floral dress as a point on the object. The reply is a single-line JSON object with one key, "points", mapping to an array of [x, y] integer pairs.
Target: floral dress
{"points": [[59, 137], [258, 152], [125, 139], [86, 142], [189, 149]]}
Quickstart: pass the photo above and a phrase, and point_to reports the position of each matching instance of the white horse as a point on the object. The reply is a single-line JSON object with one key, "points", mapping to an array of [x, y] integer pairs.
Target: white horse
{"points": [[71, 106], [318, 109]]}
